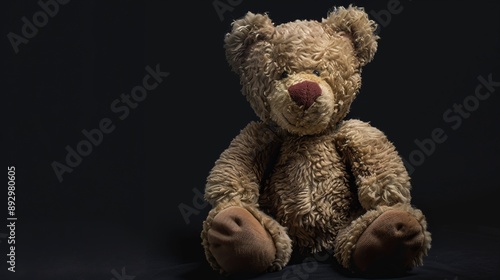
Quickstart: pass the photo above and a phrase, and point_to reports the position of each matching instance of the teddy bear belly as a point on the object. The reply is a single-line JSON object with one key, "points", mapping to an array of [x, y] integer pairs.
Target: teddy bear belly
{"points": [[312, 200]]}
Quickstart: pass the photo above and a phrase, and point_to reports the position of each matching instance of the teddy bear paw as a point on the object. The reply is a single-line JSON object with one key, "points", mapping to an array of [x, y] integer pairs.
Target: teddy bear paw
{"points": [[239, 243], [389, 245]]}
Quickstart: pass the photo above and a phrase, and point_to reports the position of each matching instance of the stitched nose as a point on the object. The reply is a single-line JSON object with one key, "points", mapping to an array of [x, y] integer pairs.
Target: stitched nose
{"points": [[304, 93]]}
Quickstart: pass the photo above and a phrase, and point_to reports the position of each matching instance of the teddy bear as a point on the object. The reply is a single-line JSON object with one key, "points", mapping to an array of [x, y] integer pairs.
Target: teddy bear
{"points": [[303, 178]]}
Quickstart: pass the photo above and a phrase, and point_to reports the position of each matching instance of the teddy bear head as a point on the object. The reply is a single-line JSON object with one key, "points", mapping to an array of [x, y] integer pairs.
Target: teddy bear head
{"points": [[302, 75]]}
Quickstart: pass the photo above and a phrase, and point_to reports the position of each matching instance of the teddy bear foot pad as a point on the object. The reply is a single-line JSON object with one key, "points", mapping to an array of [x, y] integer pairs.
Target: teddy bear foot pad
{"points": [[389, 244], [239, 243]]}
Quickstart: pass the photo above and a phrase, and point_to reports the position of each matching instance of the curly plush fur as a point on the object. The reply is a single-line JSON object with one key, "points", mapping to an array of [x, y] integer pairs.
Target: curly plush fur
{"points": [[311, 179]]}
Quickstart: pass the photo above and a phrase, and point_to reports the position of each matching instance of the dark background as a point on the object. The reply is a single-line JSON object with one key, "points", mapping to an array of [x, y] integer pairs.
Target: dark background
{"points": [[118, 214]]}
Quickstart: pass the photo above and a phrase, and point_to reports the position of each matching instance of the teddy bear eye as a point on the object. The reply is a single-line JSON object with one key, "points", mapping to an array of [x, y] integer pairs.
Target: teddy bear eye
{"points": [[316, 72], [284, 75]]}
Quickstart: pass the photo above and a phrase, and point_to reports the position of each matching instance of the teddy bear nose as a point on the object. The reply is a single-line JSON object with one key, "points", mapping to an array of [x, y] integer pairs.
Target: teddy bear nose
{"points": [[304, 93]]}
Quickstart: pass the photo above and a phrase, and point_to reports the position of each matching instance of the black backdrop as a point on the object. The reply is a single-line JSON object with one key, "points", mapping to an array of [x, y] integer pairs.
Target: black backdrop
{"points": [[131, 207]]}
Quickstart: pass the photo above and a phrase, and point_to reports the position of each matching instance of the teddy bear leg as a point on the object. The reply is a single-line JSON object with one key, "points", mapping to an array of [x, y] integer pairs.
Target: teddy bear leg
{"points": [[389, 244], [239, 243]]}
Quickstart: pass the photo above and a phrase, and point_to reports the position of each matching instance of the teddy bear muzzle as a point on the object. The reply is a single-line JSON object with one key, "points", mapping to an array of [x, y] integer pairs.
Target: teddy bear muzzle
{"points": [[304, 93]]}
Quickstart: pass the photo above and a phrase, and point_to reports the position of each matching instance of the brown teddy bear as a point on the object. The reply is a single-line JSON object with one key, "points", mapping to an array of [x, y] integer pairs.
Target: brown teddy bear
{"points": [[302, 178]]}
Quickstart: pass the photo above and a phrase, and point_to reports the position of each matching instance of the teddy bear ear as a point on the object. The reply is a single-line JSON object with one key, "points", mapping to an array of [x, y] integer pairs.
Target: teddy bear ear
{"points": [[245, 32], [355, 23]]}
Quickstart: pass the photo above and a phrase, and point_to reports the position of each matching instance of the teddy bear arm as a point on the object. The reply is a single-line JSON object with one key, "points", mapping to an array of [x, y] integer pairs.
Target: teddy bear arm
{"points": [[238, 172], [232, 189], [378, 170]]}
